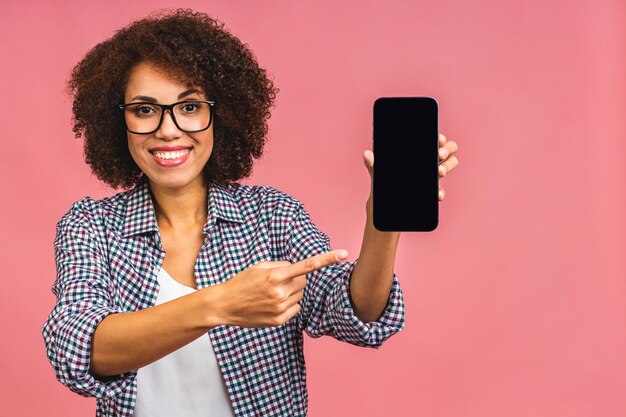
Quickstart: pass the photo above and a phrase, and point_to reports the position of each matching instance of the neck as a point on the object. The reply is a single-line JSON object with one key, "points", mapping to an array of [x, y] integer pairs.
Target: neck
{"points": [[181, 208]]}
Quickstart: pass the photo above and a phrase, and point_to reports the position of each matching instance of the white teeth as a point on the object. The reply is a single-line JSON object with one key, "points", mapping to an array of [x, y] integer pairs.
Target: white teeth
{"points": [[170, 155]]}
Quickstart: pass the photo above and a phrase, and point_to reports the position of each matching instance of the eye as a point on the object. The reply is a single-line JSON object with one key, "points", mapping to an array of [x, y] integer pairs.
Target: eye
{"points": [[190, 107], [143, 110]]}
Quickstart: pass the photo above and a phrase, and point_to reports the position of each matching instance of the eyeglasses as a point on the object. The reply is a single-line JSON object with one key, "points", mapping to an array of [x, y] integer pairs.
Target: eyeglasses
{"points": [[189, 116]]}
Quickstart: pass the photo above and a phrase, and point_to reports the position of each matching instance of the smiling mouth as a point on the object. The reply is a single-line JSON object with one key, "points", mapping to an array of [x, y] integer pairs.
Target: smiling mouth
{"points": [[170, 155]]}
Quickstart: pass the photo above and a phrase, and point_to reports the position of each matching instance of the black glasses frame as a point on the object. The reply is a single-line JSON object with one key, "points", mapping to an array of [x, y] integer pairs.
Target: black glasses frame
{"points": [[169, 107]]}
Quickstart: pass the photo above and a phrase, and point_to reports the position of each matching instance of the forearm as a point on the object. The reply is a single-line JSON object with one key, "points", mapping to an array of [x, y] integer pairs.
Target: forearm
{"points": [[128, 341], [372, 276]]}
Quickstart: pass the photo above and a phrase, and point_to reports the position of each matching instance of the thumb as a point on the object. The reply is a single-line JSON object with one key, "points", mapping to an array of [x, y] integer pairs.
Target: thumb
{"points": [[368, 158]]}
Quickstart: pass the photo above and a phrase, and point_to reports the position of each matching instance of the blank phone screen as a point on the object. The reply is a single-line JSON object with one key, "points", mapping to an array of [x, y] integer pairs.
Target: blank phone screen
{"points": [[406, 160]]}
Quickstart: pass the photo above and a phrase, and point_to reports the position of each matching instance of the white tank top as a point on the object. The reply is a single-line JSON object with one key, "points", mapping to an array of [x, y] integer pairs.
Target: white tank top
{"points": [[187, 382]]}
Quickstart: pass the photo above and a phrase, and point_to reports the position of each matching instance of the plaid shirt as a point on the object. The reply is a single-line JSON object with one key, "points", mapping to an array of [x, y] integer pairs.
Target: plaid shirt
{"points": [[108, 253]]}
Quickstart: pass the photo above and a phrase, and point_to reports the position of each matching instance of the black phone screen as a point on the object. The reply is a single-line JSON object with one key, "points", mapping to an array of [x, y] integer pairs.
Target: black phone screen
{"points": [[406, 180]]}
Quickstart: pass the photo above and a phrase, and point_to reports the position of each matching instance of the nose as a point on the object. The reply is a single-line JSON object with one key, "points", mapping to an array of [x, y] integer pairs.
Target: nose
{"points": [[168, 129]]}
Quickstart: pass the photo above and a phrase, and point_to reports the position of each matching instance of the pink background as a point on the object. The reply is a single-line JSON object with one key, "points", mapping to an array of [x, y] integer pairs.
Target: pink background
{"points": [[515, 305]]}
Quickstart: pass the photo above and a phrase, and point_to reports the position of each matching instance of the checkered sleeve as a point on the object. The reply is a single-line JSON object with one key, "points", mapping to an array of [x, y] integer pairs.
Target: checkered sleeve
{"points": [[326, 306], [83, 298]]}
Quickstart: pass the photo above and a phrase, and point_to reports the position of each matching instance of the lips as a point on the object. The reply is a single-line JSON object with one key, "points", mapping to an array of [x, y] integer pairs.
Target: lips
{"points": [[171, 162], [169, 148]]}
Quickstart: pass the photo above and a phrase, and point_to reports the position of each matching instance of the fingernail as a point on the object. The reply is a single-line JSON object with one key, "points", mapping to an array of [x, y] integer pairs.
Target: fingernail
{"points": [[342, 254]]}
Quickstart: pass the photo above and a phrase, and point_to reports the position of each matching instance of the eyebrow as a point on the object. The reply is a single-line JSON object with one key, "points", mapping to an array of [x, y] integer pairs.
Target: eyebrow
{"points": [[154, 100]]}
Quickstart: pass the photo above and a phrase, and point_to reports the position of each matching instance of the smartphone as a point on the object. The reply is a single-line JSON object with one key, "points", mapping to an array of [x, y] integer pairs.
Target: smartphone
{"points": [[405, 175]]}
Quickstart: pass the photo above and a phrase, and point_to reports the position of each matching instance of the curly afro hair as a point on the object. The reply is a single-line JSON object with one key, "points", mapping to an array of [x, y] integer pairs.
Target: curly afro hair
{"points": [[194, 49]]}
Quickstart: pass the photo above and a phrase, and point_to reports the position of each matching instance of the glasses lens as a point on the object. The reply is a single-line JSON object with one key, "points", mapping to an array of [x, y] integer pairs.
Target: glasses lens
{"points": [[142, 118], [190, 115]]}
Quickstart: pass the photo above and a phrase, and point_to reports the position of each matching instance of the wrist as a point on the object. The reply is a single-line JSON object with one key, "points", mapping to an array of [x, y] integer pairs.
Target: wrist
{"points": [[214, 311]]}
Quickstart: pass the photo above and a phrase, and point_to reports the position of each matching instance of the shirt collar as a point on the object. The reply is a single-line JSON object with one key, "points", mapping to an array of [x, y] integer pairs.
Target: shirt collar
{"points": [[140, 217]]}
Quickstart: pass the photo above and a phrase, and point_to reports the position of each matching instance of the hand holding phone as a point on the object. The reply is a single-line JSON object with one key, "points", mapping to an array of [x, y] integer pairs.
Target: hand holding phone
{"points": [[405, 175]]}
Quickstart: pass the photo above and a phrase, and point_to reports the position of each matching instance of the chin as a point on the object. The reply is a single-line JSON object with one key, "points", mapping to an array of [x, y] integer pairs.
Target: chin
{"points": [[172, 180]]}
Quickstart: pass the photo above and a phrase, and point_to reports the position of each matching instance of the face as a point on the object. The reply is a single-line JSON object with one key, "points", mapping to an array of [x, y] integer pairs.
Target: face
{"points": [[147, 81]]}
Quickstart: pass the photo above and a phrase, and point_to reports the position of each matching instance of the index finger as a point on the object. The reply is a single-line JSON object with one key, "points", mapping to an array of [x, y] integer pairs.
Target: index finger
{"points": [[311, 264]]}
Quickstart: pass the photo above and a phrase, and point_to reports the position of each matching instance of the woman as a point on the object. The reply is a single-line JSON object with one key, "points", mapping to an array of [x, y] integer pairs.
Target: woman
{"points": [[188, 291]]}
